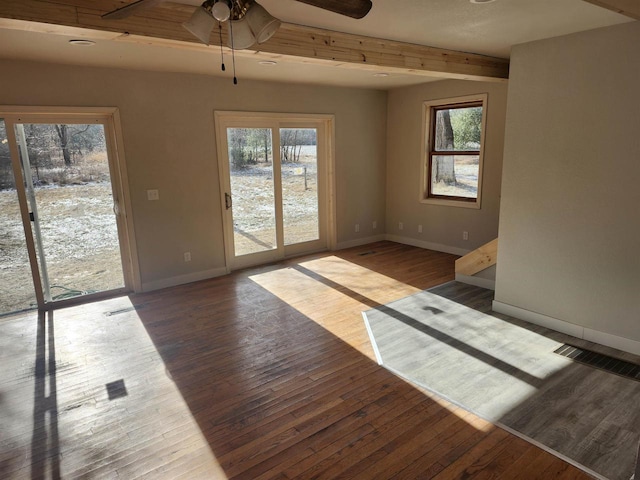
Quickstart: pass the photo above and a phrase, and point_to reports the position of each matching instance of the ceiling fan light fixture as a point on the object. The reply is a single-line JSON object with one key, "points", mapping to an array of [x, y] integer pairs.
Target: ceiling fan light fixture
{"points": [[262, 23], [241, 34], [221, 11], [200, 25]]}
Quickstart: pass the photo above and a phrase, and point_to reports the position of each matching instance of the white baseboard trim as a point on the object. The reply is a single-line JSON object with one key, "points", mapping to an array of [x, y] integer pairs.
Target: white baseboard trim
{"points": [[182, 279], [614, 341], [539, 319], [476, 281], [438, 247], [621, 343], [359, 241]]}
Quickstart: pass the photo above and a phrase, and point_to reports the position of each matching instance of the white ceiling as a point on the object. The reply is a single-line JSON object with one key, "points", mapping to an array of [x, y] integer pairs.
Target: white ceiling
{"points": [[489, 29]]}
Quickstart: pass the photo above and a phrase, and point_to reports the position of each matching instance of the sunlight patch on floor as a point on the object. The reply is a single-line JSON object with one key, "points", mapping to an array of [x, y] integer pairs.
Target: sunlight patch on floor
{"points": [[483, 362], [319, 302], [104, 405], [316, 287], [375, 286], [312, 286]]}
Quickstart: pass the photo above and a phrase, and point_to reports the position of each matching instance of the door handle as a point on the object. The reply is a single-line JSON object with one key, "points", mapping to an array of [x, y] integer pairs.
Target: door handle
{"points": [[228, 203]]}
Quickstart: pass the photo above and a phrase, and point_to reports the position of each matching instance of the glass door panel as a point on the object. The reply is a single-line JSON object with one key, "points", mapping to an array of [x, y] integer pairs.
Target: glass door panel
{"points": [[68, 184], [252, 199], [16, 283], [299, 167]]}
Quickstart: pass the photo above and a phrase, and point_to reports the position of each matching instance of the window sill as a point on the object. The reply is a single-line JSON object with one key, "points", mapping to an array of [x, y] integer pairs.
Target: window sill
{"points": [[451, 203]]}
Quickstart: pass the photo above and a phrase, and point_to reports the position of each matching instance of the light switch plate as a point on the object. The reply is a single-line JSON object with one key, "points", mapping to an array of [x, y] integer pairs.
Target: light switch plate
{"points": [[153, 195]]}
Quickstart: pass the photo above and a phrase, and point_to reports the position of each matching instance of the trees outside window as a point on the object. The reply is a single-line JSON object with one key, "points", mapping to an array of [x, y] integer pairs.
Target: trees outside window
{"points": [[454, 131]]}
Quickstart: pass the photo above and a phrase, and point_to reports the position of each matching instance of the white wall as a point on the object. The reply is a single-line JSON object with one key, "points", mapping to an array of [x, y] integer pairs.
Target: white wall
{"points": [[569, 221], [442, 225], [169, 143]]}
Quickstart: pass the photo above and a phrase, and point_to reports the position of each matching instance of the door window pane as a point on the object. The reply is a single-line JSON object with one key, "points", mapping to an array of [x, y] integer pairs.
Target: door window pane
{"points": [[299, 157], [252, 190]]}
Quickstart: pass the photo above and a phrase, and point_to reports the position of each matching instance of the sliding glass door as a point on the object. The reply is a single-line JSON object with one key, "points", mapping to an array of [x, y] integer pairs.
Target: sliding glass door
{"points": [[273, 178], [68, 185], [70, 203]]}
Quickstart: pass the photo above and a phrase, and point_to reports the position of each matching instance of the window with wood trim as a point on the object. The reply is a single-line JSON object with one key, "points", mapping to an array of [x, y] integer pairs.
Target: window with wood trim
{"points": [[454, 134]]}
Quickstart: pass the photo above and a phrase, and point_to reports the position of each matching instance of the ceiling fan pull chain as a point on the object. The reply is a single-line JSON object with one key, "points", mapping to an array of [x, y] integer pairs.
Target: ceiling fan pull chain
{"points": [[233, 58], [233, 53], [221, 50]]}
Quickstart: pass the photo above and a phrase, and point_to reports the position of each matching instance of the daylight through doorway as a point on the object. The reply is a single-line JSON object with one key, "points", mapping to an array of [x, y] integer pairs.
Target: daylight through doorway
{"points": [[68, 185], [65, 234]]}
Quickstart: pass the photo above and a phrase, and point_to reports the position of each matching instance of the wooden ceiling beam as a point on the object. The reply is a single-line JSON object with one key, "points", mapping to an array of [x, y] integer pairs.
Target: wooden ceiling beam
{"points": [[630, 8], [295, 42]]}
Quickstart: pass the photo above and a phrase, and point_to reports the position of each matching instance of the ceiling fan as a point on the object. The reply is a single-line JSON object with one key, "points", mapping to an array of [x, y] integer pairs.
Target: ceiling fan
{"points": [[351, 8], [249, 21]]}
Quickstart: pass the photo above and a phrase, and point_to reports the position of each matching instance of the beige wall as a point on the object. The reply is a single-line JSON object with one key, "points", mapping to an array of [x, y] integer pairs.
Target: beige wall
{"points": [[169, 144], [442, 225], [569, 224]]}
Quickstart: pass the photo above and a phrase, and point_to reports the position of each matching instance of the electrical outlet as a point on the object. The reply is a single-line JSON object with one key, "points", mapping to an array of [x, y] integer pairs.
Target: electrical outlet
{"points": [[357, 227], [187, 256], [465, 235], [400, 226], [375, 224], [419, 228], [153, 195]]}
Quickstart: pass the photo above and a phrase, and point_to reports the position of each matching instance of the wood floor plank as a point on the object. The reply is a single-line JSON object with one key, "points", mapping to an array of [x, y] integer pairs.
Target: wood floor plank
{"points": [[367, 446], [398, 451], [267, 373], [338, 435]]}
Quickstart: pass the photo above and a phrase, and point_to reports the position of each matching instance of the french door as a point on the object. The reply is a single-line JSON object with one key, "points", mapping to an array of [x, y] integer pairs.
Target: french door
{"points": [[68, 185], [275, 185]]}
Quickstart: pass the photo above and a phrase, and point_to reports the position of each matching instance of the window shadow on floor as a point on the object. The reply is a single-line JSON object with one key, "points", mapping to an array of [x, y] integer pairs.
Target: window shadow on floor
{"points": [[45, 441]]}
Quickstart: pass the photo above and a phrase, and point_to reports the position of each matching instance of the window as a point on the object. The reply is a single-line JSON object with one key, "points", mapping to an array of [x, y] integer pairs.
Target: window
{"points": [[454, 138]]}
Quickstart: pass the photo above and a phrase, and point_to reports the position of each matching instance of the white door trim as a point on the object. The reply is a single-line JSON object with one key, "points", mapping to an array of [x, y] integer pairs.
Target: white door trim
{"points": [[225, 119]]}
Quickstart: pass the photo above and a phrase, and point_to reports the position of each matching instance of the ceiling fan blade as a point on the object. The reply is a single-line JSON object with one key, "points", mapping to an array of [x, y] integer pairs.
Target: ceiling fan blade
{"points": [[350, 8], [131, 9]]}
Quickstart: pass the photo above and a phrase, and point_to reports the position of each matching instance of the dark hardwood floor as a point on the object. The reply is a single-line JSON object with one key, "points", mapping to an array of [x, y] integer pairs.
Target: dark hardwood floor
{"points": [[266, 373]]}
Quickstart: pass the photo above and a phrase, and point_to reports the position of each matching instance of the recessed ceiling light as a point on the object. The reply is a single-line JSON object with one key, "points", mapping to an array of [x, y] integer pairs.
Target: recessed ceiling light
{"points": [[82, 42], [268, 63], [381, 74], [482, 1]]}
